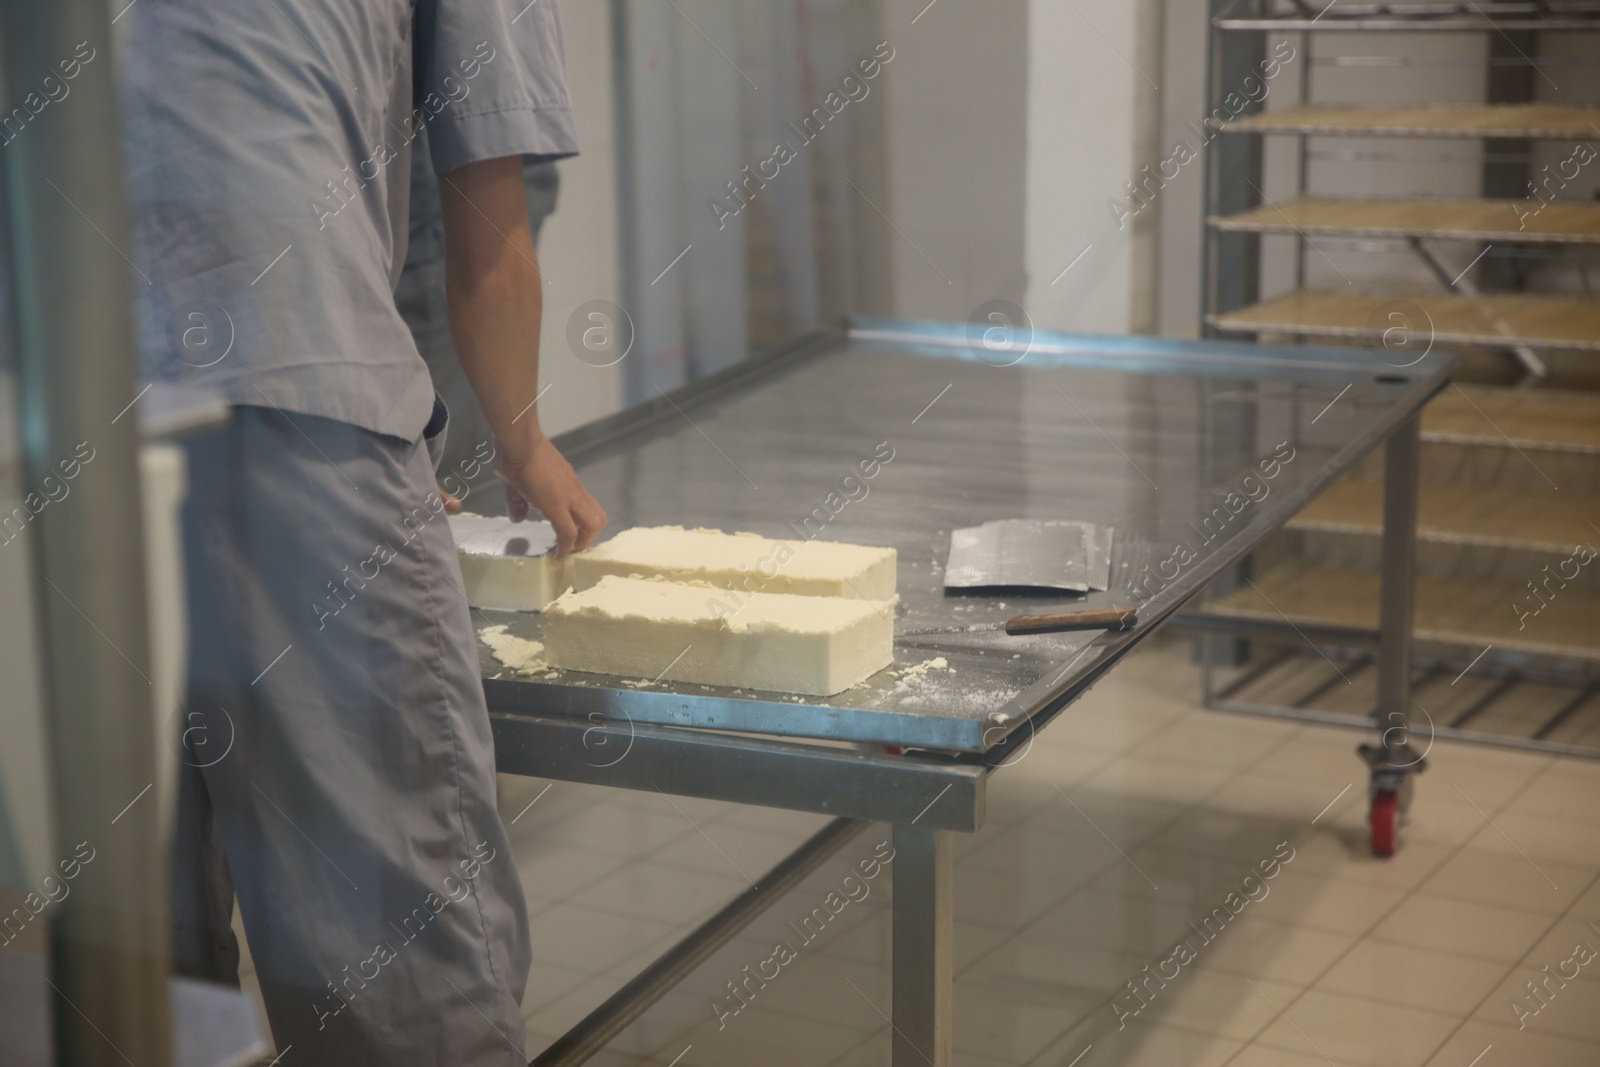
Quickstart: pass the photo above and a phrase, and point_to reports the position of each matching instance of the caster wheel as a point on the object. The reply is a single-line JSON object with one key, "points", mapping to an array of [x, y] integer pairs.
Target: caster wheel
{"points": [[1385, 814]]}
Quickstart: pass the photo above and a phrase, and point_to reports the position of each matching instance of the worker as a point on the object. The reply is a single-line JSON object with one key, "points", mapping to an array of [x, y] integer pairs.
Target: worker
{"points": [[338, 765]]}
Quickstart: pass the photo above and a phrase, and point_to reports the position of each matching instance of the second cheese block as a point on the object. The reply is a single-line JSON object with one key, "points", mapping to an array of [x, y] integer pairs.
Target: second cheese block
{"points": [[776, 641], [508, 566], [742, 561]]}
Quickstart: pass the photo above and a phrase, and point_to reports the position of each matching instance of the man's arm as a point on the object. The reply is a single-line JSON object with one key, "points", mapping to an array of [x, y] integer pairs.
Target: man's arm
{"points": [[492, 282]]}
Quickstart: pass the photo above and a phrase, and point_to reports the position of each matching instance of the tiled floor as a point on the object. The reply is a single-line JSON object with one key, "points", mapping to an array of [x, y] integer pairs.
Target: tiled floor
{"points": [[1126, 825]]}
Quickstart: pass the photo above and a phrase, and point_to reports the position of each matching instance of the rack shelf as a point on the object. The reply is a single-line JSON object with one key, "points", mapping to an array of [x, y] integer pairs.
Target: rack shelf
{"points": [[1525, 221], [1543, 121], [1459, 515], [1447, 612], [1450, 17], [1499, 319], [1545, 420]]}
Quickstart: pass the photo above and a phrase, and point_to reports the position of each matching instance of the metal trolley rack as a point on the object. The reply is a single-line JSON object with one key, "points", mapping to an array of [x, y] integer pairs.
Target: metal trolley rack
{"points": [[1524, 693], [1193, 451]]}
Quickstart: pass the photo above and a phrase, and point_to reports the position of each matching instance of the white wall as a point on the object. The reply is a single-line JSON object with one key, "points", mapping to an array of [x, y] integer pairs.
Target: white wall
{"points": [[957, 153], [578, 245], [1010, 128], [1081, 137]]}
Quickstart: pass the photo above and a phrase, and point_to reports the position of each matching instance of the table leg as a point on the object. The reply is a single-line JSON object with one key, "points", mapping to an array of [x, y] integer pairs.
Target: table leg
{"points": [[1402, 456], [923, 934], [1394, 761]]}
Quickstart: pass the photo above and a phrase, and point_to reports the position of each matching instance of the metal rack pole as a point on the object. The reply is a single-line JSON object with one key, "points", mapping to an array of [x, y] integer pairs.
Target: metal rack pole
{"points": [[76, 369], [1230, 264], [1303, 157]]}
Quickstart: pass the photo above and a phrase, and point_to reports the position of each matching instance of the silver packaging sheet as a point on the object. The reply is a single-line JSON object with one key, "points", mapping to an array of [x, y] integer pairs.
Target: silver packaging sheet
{"points": [[1037, 553], [493, 535]]}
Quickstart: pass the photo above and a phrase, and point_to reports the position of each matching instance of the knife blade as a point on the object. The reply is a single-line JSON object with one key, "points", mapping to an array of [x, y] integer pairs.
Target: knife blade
{"points": [[1049, 623]]}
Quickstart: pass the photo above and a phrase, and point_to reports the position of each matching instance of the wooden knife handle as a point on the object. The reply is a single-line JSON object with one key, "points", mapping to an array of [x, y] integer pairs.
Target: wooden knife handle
{"points": [[1103, 619]]}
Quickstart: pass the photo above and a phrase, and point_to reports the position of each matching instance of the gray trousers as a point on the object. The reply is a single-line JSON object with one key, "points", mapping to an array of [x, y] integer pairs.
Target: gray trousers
{"points": [[338, 767]]}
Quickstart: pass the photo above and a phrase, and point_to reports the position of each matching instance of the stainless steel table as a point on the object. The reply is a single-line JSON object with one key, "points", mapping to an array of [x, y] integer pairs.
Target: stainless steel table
{"points": [[1193, 451]]}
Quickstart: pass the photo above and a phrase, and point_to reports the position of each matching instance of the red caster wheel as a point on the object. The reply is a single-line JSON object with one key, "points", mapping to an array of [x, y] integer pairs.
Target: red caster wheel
{"points": [[1385, 814]]}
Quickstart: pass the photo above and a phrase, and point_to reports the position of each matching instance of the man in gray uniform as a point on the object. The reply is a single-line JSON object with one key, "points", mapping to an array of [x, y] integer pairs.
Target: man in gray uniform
{"points": [[338, 761]]}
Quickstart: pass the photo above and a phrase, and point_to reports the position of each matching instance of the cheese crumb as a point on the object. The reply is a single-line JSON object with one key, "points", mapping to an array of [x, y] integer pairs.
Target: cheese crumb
{"points": [[917, 670], [917, 673], [518, 653]]}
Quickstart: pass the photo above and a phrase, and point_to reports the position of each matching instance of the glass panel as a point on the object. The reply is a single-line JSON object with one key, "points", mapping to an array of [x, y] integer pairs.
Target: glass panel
{"points": [[24, 797], [749, 156]]}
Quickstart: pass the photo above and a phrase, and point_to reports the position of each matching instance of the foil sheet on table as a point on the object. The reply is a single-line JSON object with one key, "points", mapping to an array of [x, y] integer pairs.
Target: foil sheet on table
{"points": [[1030, 553], [496, 535]]}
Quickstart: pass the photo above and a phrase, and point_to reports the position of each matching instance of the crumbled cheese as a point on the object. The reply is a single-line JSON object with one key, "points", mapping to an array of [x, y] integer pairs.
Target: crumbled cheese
{"points": [[915, 675], [518, 653]]}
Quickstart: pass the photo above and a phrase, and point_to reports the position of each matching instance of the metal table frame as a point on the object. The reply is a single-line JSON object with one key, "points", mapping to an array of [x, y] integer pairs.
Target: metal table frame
{"points": [[572, 734]]}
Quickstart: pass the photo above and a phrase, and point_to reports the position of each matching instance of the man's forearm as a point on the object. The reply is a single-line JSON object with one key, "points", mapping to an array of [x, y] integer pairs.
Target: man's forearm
{"points": [[495, 300], [492, 283]]}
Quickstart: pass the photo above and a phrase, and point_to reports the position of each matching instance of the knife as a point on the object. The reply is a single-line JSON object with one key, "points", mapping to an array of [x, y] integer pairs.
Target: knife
{"points": [[1053, 623]]}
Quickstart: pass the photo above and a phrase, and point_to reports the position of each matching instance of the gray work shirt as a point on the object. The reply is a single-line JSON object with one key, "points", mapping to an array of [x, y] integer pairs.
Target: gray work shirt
{"points": [[267, 146]]}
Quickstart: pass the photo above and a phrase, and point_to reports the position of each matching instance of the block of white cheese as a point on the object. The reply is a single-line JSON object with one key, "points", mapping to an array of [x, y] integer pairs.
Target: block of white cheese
{"points": [[649, 628], [742, 561], [508, 566]]}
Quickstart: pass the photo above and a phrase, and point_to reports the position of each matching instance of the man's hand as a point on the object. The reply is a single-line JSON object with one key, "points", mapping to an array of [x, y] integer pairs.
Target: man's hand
{"points": [[547, 481]]}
